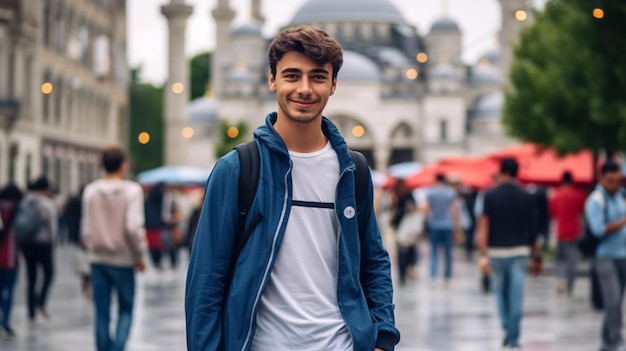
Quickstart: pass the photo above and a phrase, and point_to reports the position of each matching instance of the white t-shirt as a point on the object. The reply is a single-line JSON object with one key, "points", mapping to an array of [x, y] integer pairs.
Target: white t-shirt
{"points": [[299, 308]]}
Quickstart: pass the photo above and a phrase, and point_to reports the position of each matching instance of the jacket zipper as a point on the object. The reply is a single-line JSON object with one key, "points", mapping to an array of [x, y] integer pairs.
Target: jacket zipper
{"points": [[267, 266], [338, 257]]}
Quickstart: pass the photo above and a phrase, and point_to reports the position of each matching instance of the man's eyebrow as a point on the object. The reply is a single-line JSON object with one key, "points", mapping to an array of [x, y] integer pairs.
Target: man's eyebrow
{"points": [[297, 70], [290, 70]]}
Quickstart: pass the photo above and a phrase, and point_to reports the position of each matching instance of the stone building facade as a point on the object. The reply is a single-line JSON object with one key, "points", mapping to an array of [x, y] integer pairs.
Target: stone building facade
{"points": [[401, 96], [63, 88]]}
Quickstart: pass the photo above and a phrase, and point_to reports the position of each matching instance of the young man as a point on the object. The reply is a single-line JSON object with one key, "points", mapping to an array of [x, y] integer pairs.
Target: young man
{"points": [[605, 212], [313, 274], [506, 241], [566, 208], [114, 234]]}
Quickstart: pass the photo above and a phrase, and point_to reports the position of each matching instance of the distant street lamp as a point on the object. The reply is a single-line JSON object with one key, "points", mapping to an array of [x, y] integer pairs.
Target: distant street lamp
{"points": [[46, 88], [521, 15], [143, 138], [233, 132], [598, 13]]}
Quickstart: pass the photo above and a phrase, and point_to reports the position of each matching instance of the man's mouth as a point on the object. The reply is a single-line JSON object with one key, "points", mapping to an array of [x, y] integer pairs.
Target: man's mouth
{"points": [[303, 104]]}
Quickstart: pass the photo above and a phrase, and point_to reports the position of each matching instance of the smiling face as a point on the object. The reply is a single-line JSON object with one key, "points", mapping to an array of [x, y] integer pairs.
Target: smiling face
{"points": [[302, 87]]}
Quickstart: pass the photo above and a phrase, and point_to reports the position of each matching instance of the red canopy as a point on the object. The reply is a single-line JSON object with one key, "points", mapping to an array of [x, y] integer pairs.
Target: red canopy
{"points": [[546, 166], [472, 172]]}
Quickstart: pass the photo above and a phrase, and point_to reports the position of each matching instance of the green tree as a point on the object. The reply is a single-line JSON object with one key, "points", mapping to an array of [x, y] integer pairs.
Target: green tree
{"points": [[568, 78], [146, 115], [227, 141], [200, 74]]}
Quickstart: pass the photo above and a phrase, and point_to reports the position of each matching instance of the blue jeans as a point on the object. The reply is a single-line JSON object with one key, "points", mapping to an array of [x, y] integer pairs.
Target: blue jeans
{"points": [[8, 276], [507, 279], [438, 238], [104, 279]]}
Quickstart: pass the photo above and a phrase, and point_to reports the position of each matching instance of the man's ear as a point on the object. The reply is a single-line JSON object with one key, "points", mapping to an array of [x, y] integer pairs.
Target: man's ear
{"points": [[333, 86], [272, 82]]}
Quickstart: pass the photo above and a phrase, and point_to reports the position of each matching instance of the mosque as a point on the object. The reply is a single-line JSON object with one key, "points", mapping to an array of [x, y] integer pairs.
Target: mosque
{"points": [[401, 96]]}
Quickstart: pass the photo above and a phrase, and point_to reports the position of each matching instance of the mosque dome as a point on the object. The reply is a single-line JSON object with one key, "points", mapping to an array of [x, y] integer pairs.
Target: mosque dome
{"points": [[488, 106], [249, 29], [358, 68], [203, 110], [485, 74], [445, 25], [377, 11], [493, 56], [443, 71]]}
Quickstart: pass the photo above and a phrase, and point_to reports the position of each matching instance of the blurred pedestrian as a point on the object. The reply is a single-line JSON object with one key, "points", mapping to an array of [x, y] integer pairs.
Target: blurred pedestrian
{"points": [[38, 249], [10, 197], [155, 223], [313, 274], [567, 205], [506, 241], [114, 233], [605, 211], [72, 212], [443, 221], [406, 231]]}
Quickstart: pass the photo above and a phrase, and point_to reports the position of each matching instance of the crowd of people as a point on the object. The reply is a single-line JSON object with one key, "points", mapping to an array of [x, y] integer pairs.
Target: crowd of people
{"points": [[513, 226], [311, 271], [95, 223]]}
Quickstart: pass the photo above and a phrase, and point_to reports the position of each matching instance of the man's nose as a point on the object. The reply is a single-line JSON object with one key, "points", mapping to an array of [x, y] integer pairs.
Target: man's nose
{"points": [[305, 86]]}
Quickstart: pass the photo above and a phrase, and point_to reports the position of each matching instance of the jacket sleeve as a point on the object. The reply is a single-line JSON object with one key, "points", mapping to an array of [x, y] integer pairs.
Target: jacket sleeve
{"points": [[376, 276], [135, 222], [210, 257]]}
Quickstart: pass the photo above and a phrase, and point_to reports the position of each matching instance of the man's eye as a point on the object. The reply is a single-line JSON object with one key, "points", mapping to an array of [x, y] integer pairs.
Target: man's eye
{"points": [[319, 77], [291, 76]]}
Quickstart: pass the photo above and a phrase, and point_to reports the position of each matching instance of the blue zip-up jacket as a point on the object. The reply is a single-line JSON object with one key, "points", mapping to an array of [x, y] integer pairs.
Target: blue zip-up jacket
{"points": [[364, 287]]}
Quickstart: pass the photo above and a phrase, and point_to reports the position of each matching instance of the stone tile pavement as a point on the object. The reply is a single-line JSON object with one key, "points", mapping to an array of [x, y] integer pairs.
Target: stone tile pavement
{"points": [[459, 318]]}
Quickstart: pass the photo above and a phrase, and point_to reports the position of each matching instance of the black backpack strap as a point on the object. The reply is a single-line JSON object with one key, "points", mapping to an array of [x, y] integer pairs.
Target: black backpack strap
{"points": [[249, 173], [361, 178]]}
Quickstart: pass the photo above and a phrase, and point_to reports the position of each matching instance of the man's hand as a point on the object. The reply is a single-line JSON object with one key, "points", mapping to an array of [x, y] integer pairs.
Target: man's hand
{"points": [[536, 266], [140, 266], [377, 349], [483, 265]]}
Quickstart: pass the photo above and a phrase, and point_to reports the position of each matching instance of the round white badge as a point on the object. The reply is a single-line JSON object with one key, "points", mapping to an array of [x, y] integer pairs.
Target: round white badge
{"points": [[349, 212]]}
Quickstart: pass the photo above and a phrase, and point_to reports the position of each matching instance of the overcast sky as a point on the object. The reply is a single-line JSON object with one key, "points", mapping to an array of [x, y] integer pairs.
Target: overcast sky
{"points": [[147, 28]]}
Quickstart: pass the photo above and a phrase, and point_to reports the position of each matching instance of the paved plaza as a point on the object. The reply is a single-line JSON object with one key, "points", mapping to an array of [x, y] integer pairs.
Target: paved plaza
{"points": [[457, 318]]}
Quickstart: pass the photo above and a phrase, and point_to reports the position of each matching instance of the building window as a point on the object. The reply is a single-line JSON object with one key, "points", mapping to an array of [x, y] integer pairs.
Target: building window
{"points": [[45, 166], [46, 100], [13, 152], [58, 102], [28, 82], [443, 130], [46, 23], [59, 30], [28, 170], [58, 172]]}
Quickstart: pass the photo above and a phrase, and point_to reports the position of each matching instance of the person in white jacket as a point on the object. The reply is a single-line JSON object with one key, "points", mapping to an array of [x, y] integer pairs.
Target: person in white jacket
{"points": [[113, 232]]}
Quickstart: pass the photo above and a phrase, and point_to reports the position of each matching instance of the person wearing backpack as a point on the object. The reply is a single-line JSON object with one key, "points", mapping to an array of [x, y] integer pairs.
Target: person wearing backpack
{"points": [[114, 233], [10, 197], [313, 273], [605, 212], [37, 207]]}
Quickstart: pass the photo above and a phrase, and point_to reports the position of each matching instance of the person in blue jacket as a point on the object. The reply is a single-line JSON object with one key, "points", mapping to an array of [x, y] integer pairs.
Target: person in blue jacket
{"points": [[308, 278]]}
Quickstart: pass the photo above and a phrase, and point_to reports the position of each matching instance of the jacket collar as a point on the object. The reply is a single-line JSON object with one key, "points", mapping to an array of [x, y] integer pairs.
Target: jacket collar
{"points": [[268, 135]]}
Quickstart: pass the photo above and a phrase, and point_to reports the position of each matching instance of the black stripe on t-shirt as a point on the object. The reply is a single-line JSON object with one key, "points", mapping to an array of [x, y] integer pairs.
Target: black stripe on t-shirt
{"points": [[328, 205]]}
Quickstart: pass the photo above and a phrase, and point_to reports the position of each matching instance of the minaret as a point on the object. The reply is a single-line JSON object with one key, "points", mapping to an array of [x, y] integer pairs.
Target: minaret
{"points": [[176, 90], [515, 14], [223, 15], [255, 10]]}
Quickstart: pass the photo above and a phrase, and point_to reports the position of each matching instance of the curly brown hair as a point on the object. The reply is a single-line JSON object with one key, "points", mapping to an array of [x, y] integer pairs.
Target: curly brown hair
{"points": [[310, 41]]}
